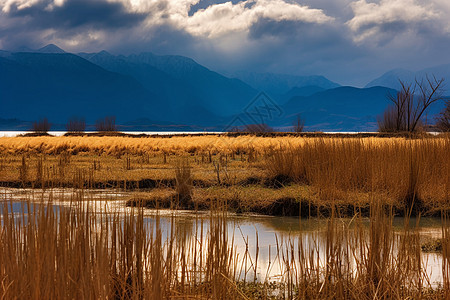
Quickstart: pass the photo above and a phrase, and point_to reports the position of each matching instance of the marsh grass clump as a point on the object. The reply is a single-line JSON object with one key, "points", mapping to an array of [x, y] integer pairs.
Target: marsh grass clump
{"points": [[433, 245], [23, 170], [184, 184], [39, 178]]}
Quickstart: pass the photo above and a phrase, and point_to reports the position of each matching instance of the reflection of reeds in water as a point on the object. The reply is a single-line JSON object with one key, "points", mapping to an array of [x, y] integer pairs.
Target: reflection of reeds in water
{"points": [[76, 252], [446, 256]]}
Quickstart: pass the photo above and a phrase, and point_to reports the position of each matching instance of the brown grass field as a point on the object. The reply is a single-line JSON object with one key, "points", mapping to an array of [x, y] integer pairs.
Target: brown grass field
{"points": [[252, 173], [78, 252]]}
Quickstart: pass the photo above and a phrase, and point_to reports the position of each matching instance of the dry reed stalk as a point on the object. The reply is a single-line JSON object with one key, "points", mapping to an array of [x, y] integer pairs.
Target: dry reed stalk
{"points": [[183, 183], [412, 172], [77, 252]]}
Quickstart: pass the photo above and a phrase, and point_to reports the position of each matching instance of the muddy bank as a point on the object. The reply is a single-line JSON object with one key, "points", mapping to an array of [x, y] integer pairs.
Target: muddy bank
{"points": [[143, 184], [280, 207]]}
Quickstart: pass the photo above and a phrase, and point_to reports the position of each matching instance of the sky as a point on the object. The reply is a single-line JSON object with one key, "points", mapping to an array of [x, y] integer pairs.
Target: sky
{"points": [[348, 41]]}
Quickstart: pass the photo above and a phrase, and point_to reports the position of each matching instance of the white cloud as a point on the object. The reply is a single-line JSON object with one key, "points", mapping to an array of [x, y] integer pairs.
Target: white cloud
{"points": [[224, 18], [370, 18], [21, 4], [227, 18]]}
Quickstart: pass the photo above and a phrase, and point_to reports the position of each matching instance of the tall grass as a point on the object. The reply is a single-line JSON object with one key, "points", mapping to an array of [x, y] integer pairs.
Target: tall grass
{"points": [[409, 172], [414, 173], [74, 253], [78, 252], [446, 255], [183, 183]]}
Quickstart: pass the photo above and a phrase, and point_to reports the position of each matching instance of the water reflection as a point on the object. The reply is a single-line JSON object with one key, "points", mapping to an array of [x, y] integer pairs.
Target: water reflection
{"points": [[262, 243]]}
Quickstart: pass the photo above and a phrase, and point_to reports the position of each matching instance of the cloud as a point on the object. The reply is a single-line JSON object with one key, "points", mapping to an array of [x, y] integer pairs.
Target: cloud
{"points": [[348, 40], [202, 4], [389, 18], [205, 19], [73, 14], [226, 18]]}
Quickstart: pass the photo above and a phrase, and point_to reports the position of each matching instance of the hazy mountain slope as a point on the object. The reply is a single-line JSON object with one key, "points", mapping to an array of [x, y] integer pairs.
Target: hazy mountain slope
{"points": [[214, 92], [340, 109], [300, 92], [174, 91], [57, 86], [441, 71], [278, 84], [14, 125], [345, 108], [391, 79], [182, 83]]}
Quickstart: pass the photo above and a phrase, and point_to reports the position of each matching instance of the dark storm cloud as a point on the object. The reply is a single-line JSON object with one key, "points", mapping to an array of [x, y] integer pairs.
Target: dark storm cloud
{"points": [[306, 38], [267, 27], [74, 14]]}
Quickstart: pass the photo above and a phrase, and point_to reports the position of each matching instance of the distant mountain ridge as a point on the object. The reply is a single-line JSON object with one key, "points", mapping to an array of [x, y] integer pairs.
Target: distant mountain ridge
{"points": [[152, 92], [50, 48], [58, 86], [182, 81], [278, 84], [391, 78]]}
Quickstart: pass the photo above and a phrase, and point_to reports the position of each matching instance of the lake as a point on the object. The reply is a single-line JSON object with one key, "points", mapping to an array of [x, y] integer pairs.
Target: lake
{"points": [[263, 242]]}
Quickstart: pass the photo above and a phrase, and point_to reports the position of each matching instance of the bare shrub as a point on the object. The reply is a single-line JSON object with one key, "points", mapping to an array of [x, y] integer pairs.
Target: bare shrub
{"points": [[299, 124], [443, 120], [388, 122], [42, 126], [76, 125], [410, 104], [106, 124]]}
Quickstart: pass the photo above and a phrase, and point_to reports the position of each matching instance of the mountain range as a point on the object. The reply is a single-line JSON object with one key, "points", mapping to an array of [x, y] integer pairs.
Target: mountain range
{"points": [[148, 91], [392, 78]]}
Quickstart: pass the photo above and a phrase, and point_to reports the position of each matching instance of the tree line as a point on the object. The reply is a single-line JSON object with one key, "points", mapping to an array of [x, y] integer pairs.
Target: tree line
{"points": [[77, 125]]}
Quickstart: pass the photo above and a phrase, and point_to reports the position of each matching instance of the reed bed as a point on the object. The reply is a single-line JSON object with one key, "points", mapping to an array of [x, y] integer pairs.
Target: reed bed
{"points": [[81, 252], [170, 145], [409, 173], [122, 145]]}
